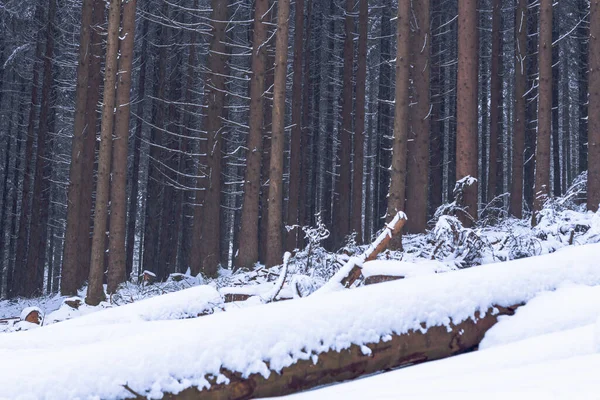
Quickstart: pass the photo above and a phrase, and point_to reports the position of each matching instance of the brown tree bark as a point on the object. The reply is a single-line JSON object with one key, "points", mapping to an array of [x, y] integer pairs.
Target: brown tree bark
{"points": [[359, 129], [248, 251], [542, 150], [217, 64], [406, 349], [68, 283], [154, 210], [95, 293], [275, 208], [466, 97], [594, 108], [308, 142], [418, 148], [137, 141], [88, 166], [118, 193], [396, 197], [436, 147], [20, 272], [495, 96], [34, 272], [296, 142], [342, 198], [519, 123]]}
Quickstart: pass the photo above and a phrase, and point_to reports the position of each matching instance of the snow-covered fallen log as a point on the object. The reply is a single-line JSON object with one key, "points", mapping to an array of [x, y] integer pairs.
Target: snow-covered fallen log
{"points": [[316, 335]]}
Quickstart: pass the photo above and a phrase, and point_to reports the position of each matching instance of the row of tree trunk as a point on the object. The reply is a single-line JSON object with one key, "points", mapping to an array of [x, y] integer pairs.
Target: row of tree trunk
{"points": [[222, 156]]}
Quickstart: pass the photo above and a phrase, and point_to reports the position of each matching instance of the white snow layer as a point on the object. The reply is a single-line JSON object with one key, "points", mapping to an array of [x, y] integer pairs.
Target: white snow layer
{"points": [[403, 268], [96, 355], [549, 349]]}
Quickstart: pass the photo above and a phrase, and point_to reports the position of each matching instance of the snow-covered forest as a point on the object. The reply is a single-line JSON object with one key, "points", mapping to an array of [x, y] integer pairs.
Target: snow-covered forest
{"points": [[242, 199]]}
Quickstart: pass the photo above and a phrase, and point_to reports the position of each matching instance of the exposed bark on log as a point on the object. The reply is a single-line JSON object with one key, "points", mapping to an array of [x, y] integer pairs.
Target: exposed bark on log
{"points": [[333, 366], [381, 278]]}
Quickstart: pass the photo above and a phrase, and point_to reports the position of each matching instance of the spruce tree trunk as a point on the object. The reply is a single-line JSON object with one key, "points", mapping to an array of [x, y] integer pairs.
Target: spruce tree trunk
{"points": [[154, 193], [137, 141], [342, 198], [542, 151], [359, 128], [34, 273], [519, 119], [275, 207], [495, 96], [21, 275], [396, 197], [70, 267], [308, 177], [418, 147], [90, 144], [206, 247], [594, 108], [95, 293], [248, 248], [466, 98], [296, 142], [118, 193]]}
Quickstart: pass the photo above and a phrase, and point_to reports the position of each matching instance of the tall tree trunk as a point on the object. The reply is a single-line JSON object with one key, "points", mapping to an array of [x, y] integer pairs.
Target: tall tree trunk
{"points": [[296, 141], [418, 148], [11, 285], [118, 193], [556, 161], [343, 195], [5, 191], [21, 276], [495, 96], [89, 147], [137, 141], [542, 151], [531, 116], [307, 185], [34, 275], [466, 98], [95, 293], [519, 119], [594, 107], [359, 128], [583, 84], [396, 197], [70, 267], [207, 231], [154, 210], [384, 116], [275, 208], [186, 159], [248, 252]]}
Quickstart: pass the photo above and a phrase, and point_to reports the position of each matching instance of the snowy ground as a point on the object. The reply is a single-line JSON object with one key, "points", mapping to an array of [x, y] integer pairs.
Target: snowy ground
{"points": [[550, 349], [148, 347]]}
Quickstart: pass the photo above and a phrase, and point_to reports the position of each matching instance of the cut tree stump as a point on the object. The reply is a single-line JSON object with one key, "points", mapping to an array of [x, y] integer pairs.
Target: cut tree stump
{"points": [[332, 366], [32, 315]]}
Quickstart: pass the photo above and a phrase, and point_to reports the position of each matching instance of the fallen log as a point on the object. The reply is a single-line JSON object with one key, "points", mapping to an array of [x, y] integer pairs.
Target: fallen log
{"points": [[393, 351], [351, 271], [371, 280]]}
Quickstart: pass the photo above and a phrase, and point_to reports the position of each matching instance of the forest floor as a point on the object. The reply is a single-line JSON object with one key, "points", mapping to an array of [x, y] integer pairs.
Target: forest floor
{"points": [[450, 272]]}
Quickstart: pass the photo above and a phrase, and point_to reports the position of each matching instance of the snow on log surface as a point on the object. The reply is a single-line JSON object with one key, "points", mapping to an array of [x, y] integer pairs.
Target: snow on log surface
{"points": [[99, 358]]}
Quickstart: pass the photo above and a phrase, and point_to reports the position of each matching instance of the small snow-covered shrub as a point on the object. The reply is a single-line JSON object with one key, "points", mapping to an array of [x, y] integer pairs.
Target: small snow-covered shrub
{"points": [[453, 241]]}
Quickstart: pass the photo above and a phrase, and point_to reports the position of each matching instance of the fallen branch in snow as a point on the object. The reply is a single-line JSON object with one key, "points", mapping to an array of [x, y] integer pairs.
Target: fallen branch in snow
{"points": [[272, 294], [351, 271], [391, 351]]}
